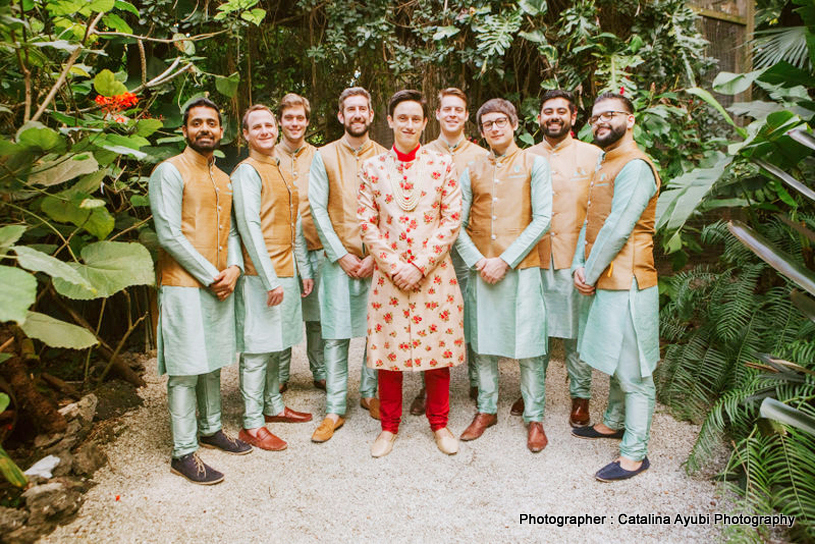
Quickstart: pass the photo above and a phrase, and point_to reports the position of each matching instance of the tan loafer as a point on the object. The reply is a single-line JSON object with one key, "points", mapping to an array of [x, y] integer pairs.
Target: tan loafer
{"points": [[446, 442], [383, 444], [372, 405], [325, 431]]}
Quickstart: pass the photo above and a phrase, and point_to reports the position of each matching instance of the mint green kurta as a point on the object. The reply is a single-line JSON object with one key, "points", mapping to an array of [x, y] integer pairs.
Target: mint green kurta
{"points": [[262, 328], [343, 300], [604, 317], [508, 319], [196, 331]]}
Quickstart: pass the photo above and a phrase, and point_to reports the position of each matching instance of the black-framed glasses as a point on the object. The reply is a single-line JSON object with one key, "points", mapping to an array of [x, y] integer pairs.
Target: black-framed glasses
{"points": [[500, 123], [606, 116]]}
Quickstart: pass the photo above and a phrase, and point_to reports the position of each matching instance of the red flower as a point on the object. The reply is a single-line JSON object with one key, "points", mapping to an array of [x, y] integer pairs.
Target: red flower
{"points": [[448, 354]]}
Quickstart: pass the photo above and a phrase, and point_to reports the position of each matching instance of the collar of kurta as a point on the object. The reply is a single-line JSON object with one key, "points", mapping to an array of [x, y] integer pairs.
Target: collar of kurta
{"points": [[260, 157], [406, 157], [511, 150], [620, 150], [297, 152], [357, 150], [561, 145], [198, 159], [455, 147]]}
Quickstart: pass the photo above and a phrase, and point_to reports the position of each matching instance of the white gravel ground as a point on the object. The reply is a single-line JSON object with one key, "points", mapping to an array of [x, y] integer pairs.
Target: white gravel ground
{"points": [[335, 492]]}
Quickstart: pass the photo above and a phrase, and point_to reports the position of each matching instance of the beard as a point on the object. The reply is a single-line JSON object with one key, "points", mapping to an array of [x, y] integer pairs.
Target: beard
{"points": [[200, 147], [556, 130], [356, 133], [612, 136]]}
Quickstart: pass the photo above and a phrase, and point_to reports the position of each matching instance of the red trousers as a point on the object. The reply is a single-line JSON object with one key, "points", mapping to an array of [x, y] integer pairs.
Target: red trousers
{"points": [[437, 382]]}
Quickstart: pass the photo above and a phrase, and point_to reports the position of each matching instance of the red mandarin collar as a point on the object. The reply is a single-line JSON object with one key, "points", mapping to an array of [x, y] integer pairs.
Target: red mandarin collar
{"points": [[406, 157]]}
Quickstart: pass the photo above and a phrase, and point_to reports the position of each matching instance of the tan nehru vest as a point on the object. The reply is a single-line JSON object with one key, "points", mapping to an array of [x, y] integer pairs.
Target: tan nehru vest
{"points": [[278, 216], [502, 205], [295, 167], [464, 153], [572, 163], [342, 165], [206, 206], [636, 258]]}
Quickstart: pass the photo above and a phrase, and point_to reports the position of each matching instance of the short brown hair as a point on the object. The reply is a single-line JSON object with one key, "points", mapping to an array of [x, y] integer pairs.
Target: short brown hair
{"points": [[453, 91], [353, 91], [256, 107], [293, 100], [407, 95], [559, 93], [497, 105], [622, 99]]}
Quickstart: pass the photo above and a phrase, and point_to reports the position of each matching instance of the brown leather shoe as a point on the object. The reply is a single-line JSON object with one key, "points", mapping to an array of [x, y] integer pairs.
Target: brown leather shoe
{"points": [[319, 384], [536, 437], [371, 405], [288, 416], [264, 440], [419, 404], [579, 417], [517, 407], [480, 423], [473, 393], [284, 387], [326, 430]]}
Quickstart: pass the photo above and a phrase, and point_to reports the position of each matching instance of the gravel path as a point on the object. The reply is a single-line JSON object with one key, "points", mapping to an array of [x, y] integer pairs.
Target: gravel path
{"points": [[335, 492]]}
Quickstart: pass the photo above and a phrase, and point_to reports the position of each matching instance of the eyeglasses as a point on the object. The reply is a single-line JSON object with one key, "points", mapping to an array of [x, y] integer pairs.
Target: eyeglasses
{"points": [[500, 123], [606, 116]]}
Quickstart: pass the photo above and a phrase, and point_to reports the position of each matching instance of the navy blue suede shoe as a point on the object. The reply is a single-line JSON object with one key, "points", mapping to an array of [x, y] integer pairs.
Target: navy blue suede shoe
{"points": [[613, 472], [589, 433]]}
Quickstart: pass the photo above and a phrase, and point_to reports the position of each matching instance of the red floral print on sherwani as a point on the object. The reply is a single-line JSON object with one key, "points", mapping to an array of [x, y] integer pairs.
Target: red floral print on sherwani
{"points": [[424, 328]]}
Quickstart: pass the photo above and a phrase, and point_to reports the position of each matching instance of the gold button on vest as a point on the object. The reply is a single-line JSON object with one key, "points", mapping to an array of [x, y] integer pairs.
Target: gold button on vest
{"points": [[206, 205], [636, 258], [572, 164], [502, 206], [342, 164], [295, 168], [278, 216]]}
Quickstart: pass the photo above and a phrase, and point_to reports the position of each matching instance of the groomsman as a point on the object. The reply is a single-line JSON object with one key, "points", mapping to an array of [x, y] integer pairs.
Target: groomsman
{"points": [[572, 163], [506, 210], [452, 114], [199, 264], [345, 276], [614, 268], [268, 294], [296, 154]]}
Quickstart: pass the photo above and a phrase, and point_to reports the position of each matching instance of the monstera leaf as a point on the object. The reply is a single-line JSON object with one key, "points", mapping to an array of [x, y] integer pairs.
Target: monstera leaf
{"points": [[109, 267]]}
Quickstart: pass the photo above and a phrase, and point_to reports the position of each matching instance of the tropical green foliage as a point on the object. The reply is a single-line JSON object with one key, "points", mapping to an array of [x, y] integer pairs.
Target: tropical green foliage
{"points": [[722, 324]]}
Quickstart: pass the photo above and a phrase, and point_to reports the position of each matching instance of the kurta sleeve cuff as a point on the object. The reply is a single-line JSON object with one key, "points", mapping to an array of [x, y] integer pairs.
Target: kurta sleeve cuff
{"points": [[235, 255], [464, 245], [246, 189], [541, 197], [301, 252], [318, 201], [579, 259], [166, 190], [633, 188]]}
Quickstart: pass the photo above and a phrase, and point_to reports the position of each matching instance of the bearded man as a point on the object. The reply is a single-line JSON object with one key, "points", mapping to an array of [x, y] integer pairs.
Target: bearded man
{"points": [[268, 294], [614, 268], [410, 212], [345, 275], [295, 155], [572, 163], [198, 267]]}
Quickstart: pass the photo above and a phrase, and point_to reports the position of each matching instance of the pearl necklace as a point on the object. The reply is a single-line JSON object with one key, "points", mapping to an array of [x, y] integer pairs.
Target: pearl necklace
{"points": [[405, 199]]}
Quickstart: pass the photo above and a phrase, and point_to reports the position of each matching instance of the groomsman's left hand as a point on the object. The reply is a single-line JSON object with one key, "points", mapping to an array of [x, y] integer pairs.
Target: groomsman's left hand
{"points": [[308, 287], [494, 270]]}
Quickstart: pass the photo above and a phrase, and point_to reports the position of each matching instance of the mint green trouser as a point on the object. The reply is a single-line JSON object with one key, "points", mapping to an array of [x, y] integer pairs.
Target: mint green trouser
{"points": [[314, 352], [631, 399], [533, 389], [463, 277], [336, 376], [579, 372], [184, 394], [260, 387]]}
